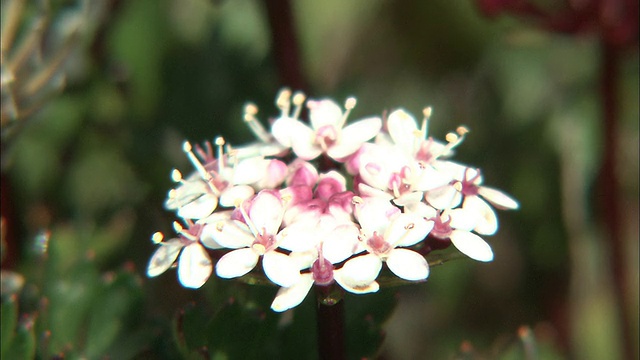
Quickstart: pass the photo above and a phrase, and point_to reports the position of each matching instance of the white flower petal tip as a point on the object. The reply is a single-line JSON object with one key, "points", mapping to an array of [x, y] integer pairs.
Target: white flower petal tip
{"points": [[194, 267], [236, 263], [290, 297], [408, 265], [280, 269], [498, 198], [358, 274], [472, 245], [164, 257]]}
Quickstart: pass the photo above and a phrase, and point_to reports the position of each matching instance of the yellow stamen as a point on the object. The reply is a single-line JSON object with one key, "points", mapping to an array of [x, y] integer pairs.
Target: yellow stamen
{"points": [[298, 101], [283, 101], [157, 237], [176, 175]]}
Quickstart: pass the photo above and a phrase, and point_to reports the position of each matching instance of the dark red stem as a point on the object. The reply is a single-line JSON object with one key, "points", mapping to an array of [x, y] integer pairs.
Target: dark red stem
{"points": [[285, 45], [330, 321], [609, 185]]}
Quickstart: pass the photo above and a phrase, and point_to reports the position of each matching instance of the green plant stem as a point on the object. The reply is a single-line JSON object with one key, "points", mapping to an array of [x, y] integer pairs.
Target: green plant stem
{"points": [[330, 320]]}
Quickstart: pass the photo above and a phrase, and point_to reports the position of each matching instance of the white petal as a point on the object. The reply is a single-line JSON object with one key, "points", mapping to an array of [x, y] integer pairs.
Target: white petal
{"points": [[304, 259], [455, 170], [487, 220], [375, 214], [283, 130], [408, 264], [194, 266], [207, 239], [231, 234], [360, 289], [359, 272], [430, 178], [471, 245], [409, 198], [199, 208], [445, 197], [235, 194], [353, 136], [498, 198], [266, 212], [402, 128], [280, 269], [304, 146], [249, 170], [164, 257], [407, 229], [299, 235], [463, 219], [185, 193], [421, 209], [324, 112], [290, 297], [365, 190], [236, 263], [340, 243]]}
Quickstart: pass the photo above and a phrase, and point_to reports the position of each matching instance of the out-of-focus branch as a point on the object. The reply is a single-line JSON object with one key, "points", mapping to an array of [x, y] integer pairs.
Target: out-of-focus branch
{"points": [[285, 46]]}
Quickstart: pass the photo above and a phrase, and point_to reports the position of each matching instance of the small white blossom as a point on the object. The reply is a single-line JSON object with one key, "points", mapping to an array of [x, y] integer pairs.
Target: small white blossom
{"points": [[384, 230], [327, 133], [256, 237], [194, 264]]}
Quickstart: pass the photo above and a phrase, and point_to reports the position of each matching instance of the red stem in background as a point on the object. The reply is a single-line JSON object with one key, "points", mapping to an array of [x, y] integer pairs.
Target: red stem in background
{"points": [[608, 190], [285, 47]]}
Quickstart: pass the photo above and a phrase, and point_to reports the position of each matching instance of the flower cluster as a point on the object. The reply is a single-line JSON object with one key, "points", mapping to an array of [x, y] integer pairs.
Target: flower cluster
{"points": [[323, 202]]}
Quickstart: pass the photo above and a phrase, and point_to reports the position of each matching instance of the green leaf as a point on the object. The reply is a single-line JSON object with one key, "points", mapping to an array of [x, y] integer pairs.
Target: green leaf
{"points": [[190, 328], [108, 314], [23, 345], [70, 295], [242, 331], [8, 321]]}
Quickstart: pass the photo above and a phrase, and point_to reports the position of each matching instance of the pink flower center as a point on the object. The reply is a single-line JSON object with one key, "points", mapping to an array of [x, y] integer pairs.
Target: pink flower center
{"points": [[400, 182], [326, 136], [191, 234], [322, 271], [378, 245], [441, 229], [425, 153], [469, 188], [263, 243]]}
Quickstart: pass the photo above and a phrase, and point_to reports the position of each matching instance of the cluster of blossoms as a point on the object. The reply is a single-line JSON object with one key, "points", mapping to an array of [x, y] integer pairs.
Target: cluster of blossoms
{"points": [[323, 203]]}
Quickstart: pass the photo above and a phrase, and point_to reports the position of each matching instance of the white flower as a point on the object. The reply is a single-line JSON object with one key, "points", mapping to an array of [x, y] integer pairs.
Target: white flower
{"points": [[456, 225], [468, 187], [389, 169], [256, 237], [317, 245], [194, 264], [403, 132], [326, 134], [384, 230]]}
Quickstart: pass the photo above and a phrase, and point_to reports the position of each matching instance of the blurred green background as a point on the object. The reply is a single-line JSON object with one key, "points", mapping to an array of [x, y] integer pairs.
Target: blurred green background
{"points": [[84, 180]]}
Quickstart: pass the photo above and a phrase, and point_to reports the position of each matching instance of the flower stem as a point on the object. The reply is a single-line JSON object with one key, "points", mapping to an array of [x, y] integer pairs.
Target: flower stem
{"points": [[285, 45], [330, 319], [609, 185]]}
